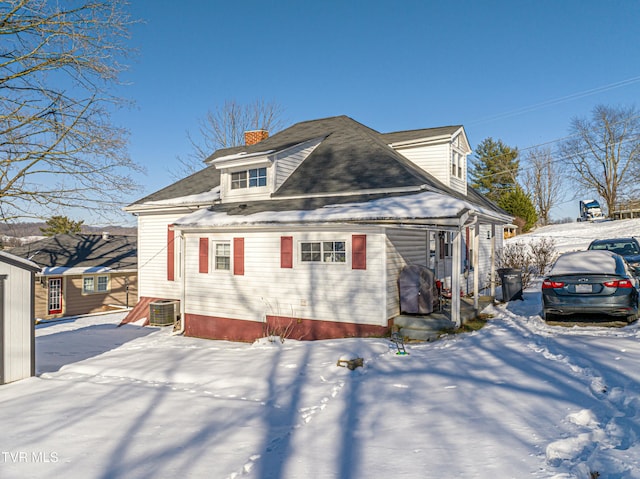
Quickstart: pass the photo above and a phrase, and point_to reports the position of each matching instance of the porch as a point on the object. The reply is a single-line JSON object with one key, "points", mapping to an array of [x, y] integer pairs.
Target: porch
{"points": [[429, 327]]}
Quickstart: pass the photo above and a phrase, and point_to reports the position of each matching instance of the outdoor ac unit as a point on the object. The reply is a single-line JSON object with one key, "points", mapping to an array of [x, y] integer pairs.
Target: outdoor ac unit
{"points": [[163, 312]]}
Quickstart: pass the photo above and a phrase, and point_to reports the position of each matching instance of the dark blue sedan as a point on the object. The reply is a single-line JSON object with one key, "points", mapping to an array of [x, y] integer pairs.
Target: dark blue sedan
{"points": [[590, 281]]}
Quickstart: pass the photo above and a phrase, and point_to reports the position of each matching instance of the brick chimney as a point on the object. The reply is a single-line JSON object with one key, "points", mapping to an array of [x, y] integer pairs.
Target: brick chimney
{"points": [[255, 136]]}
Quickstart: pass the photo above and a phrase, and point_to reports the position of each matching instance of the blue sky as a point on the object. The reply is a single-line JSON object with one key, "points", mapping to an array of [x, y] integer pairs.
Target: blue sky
{"points": [[513, 70]]}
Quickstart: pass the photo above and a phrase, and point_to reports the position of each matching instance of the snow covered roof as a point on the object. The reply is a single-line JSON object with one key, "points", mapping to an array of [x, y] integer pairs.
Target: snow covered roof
{"points": [[114, 252], [421, 206], [18, 261]]}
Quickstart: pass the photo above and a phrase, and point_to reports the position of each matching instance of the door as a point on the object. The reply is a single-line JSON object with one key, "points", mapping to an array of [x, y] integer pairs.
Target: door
{"points": [[55, 296]]}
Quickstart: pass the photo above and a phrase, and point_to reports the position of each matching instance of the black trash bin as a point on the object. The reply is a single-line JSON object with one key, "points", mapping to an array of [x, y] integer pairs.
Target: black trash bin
{"points": [[511, 279]]}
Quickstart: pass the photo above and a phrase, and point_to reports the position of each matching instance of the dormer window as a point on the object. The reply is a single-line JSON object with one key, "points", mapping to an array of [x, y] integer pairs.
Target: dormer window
{"points": [[252, 178]]}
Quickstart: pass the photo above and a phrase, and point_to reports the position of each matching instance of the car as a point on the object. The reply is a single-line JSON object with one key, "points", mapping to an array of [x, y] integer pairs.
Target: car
{"points": [[628, 248], [592, 281]]}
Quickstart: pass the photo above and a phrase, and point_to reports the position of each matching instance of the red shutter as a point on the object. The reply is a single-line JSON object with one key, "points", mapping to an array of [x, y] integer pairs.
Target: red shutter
{"points": [[238, 256], [286, 251], [170, 254], [359, 252], [203, 256]]}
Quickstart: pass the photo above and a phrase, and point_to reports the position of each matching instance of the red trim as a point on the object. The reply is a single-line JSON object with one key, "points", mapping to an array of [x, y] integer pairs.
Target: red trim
{"points": [[203, 256], [286, 251], [61, 298], [212, 327], [359, 252], [170, 254], [238, 256]]}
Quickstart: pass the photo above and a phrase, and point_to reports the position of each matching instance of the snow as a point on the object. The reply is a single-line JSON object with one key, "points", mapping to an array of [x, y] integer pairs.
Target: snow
{"points": [[516, 399], [577, 262], [577, 236], [420, 205]]}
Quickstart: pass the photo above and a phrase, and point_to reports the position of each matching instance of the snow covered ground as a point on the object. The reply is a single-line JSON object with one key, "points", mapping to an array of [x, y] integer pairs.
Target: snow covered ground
{"points": [[517, 399]]}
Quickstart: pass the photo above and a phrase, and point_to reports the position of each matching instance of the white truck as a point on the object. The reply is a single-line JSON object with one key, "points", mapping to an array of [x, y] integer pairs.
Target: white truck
{"points": [[590, 211]]}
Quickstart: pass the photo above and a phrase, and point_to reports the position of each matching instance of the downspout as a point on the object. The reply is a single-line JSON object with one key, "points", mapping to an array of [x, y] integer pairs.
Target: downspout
{"points": [[183, 282]]}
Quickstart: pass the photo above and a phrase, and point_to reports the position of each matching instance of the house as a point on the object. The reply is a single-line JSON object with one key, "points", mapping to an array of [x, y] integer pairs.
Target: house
{"points": [[17, 322], [83, 273], [305, 232]]}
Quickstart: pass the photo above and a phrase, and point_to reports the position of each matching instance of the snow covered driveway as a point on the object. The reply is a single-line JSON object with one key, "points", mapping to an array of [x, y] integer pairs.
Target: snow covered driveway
{"points": [[517, 399]]}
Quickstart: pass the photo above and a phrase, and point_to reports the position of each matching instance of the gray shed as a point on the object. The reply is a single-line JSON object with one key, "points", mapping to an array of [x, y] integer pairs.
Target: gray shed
{"points": [[17, 319]]}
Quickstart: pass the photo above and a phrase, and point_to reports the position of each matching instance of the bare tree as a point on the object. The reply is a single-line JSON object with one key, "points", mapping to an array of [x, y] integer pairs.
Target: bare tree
{"points": [[543, 181], [59, 64], [604, 151], [224, 127]]}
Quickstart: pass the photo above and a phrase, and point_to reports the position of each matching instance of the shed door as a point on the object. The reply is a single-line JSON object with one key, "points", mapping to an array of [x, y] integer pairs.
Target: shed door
{"points": [[55, 295]]}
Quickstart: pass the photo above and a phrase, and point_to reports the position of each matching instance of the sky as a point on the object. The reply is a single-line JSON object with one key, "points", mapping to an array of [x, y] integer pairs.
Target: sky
{"points": [[518, 398], [515, 71]]}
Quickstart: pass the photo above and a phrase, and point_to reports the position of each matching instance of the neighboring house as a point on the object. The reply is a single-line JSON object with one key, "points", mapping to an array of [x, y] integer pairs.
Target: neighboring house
{"points": [[307, 231], [83, 273], [17, 321]]}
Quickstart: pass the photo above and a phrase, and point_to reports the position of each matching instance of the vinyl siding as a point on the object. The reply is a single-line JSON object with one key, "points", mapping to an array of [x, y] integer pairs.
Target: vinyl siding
{"points": [[79, 303], [333, 292], [434, 159], [403, 247], [15, 354], [290, 159], [152, 257]]}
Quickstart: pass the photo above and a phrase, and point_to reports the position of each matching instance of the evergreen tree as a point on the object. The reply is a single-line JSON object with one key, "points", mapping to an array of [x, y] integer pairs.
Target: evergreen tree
{"points": [[518, 203], [495, 168], [61, 225]]}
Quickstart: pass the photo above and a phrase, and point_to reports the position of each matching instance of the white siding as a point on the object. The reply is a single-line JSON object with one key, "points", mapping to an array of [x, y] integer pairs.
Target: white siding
{"points": [[434, 159], [290, 159], [17, 317], [152, 257], [333, 292]]}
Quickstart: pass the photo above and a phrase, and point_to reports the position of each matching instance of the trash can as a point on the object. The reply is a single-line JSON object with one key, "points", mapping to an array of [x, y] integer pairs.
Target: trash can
{"points": [[511, 279]]}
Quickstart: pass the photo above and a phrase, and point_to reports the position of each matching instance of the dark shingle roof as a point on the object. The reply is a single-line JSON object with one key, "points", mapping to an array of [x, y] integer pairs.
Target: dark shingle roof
{"points": [[351, 158], [82, 250], [398, 136], [199, 182]]}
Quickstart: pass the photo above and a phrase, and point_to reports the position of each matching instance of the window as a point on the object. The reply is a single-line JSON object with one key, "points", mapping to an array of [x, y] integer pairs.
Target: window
{"points": [[103, 284], [223, 256], [256, 177], [87, 284], [95, 284], [238, 180], [323, 251]]}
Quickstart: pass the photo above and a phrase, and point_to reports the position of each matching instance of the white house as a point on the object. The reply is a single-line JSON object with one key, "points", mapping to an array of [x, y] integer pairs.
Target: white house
{"points": [[307, 230]]}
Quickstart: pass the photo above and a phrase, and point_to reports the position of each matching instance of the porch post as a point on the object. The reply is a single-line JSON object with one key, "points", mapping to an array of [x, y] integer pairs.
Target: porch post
{"points": [[493, 261], [455, 277], [476, 274]]}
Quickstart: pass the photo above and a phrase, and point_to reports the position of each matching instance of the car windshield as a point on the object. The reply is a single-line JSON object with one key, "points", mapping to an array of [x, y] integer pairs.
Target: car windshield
{"points": [[618, 247]]}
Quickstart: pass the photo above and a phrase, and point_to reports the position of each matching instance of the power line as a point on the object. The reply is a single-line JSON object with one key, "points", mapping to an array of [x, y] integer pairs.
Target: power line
{"points": [[555, 101]]}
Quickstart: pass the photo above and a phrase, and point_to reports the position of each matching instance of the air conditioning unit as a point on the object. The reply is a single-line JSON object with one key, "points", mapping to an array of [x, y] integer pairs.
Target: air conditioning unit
{"points": [[163, 312]]}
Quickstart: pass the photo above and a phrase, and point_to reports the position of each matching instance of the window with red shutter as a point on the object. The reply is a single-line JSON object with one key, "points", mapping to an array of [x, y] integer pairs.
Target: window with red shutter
{"points": [[286, 252], [359, 252], [238, 256], [203, 256], [170, 254]]}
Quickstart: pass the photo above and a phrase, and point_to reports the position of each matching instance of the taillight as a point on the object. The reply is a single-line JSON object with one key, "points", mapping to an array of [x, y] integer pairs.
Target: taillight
{"points": [[622, 283], [547, 284]]}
